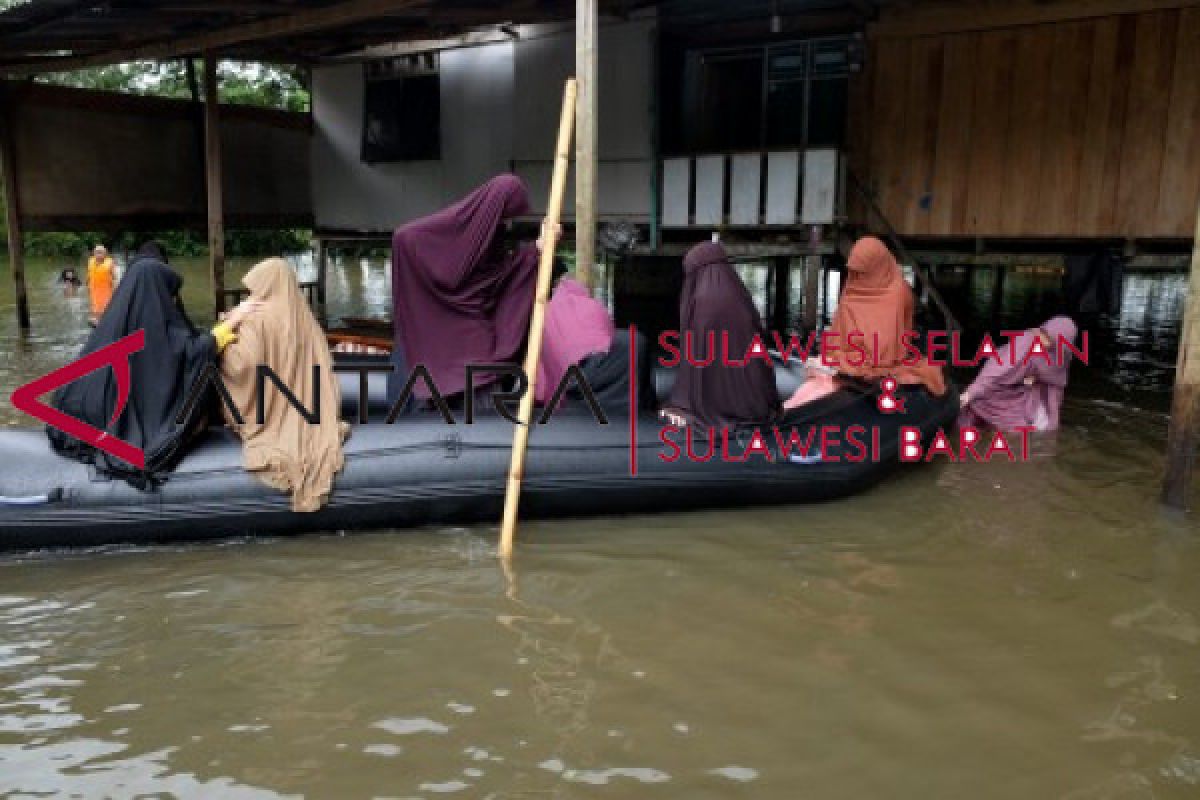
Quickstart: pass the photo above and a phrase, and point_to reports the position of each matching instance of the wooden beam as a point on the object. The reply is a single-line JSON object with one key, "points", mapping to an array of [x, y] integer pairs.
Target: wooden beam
{"points": [[469, 39], [1183, 436], [212, 182], [586, 27], [955, 16], [309, 21], [12, 204]]}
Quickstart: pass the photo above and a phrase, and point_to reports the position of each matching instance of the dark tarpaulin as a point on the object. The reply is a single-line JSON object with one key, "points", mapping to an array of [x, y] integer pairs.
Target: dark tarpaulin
{"points": [[161, 375], [608, 375]]}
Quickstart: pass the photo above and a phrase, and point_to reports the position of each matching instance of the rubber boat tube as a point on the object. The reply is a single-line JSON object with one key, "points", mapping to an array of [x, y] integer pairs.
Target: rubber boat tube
{"points": [[422, 471]]}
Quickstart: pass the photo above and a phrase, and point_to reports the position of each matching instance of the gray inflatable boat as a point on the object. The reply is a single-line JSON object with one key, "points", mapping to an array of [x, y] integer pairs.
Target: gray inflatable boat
{"points": [[422, 471]]}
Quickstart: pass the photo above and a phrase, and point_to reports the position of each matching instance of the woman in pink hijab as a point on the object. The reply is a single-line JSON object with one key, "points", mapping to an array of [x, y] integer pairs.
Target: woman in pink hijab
{"points": [[580, 332], [1016, 389], [577, 326]]}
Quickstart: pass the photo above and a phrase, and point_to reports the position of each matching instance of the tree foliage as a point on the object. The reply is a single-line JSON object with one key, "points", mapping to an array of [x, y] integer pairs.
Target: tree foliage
{"points": [[238, 82]]}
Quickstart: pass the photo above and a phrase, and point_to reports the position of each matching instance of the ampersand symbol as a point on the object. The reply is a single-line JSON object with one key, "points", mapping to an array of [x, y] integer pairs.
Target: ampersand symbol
{"points": [[888, 402]]}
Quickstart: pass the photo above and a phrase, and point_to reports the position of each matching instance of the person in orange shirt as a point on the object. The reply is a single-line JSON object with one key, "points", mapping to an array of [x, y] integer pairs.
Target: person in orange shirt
{"points": [[101, 276]]}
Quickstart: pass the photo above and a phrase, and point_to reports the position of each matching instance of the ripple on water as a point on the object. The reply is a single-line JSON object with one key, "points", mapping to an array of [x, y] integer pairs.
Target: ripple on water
{"points": [[387, 750], [733, 773], [445, 787], [402, 726], [602, 776]]}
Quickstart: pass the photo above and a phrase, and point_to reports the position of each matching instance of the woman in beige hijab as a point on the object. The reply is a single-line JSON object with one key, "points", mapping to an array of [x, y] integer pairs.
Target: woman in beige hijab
{"points": [[286, 451]]}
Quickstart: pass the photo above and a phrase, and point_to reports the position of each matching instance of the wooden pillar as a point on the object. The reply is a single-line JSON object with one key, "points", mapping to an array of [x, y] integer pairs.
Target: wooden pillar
{"points": [[322, 275], [781, 292], [585, 140], [997, 299], [189, 68], [12, 205], [1184, 433], [212, 181], [812, 287]]}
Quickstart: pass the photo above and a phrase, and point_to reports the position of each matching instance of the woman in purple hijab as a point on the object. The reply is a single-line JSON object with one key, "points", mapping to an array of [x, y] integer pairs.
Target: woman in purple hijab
{"points": [[460, 293], [1028, 392], [715, 301]]}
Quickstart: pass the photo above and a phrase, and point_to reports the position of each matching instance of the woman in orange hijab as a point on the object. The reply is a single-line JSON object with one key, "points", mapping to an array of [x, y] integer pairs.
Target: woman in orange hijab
{"points": [[877, 308], [101, 275]]}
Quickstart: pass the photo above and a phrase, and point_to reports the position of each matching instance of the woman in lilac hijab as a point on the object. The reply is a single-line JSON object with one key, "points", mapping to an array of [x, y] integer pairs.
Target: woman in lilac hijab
{"points": [[461, 292], [1028, 392]]}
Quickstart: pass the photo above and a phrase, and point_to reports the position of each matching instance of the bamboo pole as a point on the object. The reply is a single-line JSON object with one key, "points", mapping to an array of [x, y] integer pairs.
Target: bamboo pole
{"points": [[533, 352], [1185, 406]]}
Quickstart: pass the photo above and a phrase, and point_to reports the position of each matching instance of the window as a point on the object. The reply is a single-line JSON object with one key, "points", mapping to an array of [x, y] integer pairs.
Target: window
{"points": [[730, 101], [402, 109], [767, 96]]}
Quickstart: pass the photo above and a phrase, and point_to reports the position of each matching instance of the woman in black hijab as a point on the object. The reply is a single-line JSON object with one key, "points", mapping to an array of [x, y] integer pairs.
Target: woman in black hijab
{"points": [[715, 302], [161, 374]]}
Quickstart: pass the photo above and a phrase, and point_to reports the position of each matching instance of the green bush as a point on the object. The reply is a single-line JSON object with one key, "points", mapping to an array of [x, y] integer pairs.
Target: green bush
{"points": [[178, 243]]}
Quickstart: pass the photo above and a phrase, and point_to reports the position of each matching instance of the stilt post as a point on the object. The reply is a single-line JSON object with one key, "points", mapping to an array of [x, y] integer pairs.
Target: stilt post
{"points": [[781, 291], [322, 275], [812, 286], [12, 205], [1184, 432], [997, 300], [212, 182], [533, 350], [585, 140]]}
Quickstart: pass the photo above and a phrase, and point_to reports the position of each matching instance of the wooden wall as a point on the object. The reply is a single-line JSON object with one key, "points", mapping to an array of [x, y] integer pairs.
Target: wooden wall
{"points": [[1078, 127], [101, 160]]}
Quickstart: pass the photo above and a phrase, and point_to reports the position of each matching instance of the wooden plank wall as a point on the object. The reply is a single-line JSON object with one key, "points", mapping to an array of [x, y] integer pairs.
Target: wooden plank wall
{"points": [[1076, 128], [102, 160]]}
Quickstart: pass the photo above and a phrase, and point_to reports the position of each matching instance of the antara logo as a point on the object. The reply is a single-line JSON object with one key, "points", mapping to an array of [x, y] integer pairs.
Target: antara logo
{"points": [[115, 355]]}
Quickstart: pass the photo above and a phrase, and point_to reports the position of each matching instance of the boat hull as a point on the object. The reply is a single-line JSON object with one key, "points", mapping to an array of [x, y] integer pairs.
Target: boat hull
{"points": [[422, 471]]}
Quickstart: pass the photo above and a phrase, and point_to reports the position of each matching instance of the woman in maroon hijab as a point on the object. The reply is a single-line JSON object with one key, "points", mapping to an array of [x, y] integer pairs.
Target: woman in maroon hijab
{"points": [[1028, 390], [715, 301], [461, 294]]}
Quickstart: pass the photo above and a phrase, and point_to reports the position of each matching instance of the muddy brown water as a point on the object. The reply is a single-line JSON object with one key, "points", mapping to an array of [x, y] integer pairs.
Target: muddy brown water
{"points": [[977, 630]]}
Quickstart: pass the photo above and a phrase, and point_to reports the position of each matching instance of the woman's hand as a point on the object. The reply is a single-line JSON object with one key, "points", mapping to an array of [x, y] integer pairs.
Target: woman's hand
{"points": [[545, 241], [964, 400], [238, 315], [673, 417], [1030, 380]]}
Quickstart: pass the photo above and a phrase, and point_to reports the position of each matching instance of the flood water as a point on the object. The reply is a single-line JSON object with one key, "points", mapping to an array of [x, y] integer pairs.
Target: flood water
{"points": [[963, 631]]}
